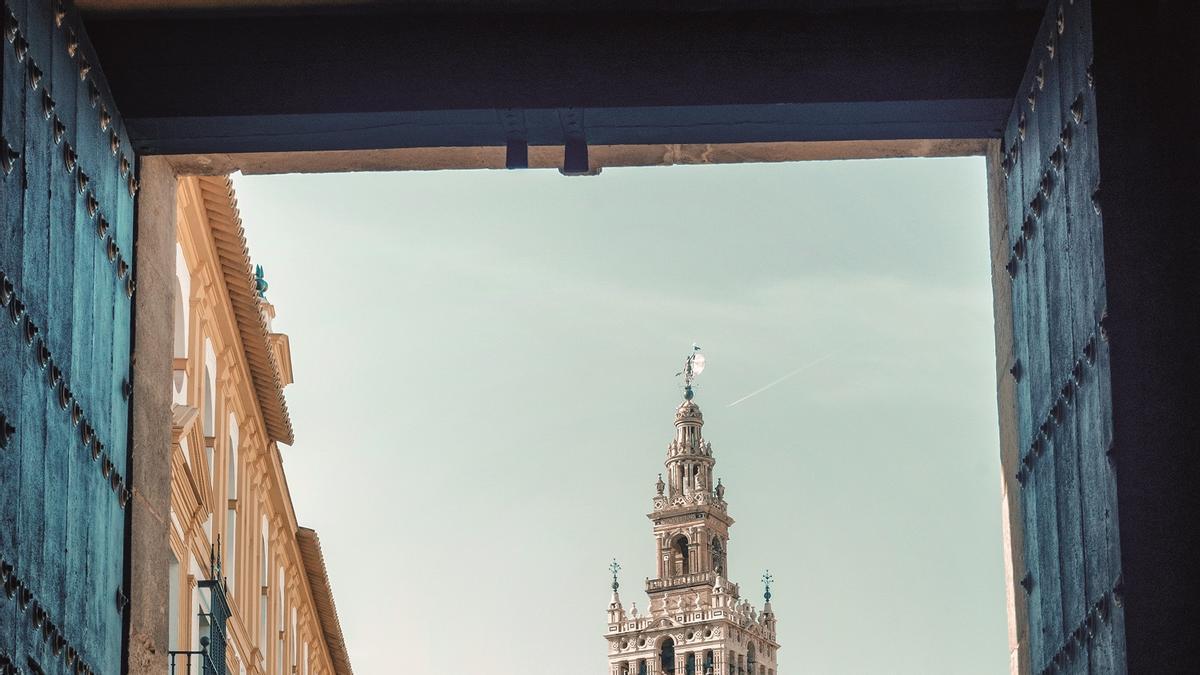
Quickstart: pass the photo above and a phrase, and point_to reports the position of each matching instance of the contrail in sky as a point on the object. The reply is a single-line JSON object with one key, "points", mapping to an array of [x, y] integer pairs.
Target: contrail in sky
{"points": [[790, 375]]}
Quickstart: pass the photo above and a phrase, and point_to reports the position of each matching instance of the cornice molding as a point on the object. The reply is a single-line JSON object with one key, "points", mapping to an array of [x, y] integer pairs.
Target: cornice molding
{"points": [[233, 257]]}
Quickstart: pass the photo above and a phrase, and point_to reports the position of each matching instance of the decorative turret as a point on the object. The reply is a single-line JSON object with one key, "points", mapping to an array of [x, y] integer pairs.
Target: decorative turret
{"points": [[689, 457], [768, 614], [616, 613]]}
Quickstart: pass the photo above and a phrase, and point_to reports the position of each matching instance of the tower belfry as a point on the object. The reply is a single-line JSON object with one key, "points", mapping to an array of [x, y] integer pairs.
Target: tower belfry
{"points": [[696, 622]]}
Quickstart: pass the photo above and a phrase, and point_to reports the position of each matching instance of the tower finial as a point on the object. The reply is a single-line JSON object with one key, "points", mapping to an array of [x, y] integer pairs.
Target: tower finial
{"points": [[692, 366], [615, 567], [767, 579]]}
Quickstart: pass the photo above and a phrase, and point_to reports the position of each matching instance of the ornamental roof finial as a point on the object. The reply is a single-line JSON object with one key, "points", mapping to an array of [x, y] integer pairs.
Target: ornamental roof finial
{"points": [[767, 579], [692, 366], [615, 567], [260, 283]]}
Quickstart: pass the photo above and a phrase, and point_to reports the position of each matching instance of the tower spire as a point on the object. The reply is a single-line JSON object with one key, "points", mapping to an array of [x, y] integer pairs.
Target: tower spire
{"points": [[689, 457]]}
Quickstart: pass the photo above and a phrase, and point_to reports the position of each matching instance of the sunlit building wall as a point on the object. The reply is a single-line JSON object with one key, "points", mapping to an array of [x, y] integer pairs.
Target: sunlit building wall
{"points": [[231, 513]]}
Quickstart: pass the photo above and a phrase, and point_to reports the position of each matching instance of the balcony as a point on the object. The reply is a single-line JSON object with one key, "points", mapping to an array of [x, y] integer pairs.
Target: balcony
{"points": [[683, 581], [210, 658], [192, 663]]}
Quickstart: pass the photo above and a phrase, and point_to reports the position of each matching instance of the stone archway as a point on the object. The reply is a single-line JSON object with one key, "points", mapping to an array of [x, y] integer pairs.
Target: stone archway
{"points": [[666, 655]]}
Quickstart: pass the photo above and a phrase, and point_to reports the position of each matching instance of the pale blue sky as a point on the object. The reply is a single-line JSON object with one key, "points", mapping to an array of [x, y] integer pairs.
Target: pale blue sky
{"points": [[484, 365]]}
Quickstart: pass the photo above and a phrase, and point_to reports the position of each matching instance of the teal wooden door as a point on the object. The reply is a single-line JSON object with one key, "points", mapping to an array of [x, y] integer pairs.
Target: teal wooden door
{"points": [[1070, 583], [67, 190]]}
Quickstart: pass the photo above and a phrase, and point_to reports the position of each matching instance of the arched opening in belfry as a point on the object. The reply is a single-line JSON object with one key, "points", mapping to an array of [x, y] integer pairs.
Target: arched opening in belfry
{"points": [[718, 555], [689, 664], [709, 663], [751, 660], [666, 655], [680, 556]]}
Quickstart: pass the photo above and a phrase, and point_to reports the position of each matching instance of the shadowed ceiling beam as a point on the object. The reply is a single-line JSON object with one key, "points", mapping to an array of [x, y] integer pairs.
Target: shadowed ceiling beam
{"points": [[343, 81]]}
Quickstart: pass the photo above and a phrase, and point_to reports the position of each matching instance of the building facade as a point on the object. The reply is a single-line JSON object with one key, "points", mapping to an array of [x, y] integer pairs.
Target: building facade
{"points": [[696, 622], [248, 591]]}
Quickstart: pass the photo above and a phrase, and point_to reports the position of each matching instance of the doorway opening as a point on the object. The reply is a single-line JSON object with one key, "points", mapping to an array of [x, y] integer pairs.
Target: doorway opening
{"points": [[431, 279]]}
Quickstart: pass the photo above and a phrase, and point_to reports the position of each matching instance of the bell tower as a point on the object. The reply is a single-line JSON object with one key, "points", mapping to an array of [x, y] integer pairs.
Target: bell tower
{"points": [[696, 622], [690, 516]]}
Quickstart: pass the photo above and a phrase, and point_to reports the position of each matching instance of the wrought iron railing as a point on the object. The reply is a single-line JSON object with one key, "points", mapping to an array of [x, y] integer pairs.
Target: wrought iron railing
{"points": [[210, 658], [190, 663], [217, 618]]}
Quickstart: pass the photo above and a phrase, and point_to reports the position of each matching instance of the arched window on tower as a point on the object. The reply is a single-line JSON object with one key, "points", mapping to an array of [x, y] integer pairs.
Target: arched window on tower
{"points": [[751, 660], [679, 552], [718, 555], [709, 663], [689, 665], [666, 656]]}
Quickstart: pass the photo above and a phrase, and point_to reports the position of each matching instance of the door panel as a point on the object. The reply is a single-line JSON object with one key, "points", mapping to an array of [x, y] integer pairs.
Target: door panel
{"points": [[1071, 574], [66, 248]]}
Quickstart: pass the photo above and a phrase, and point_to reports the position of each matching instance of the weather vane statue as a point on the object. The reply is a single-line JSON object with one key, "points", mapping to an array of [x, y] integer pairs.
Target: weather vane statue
{"points": [[767, 579], [615, 567], [693, 366]]}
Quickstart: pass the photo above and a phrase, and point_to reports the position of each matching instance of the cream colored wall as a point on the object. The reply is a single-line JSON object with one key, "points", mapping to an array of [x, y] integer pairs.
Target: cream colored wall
{"points": [[260, 487]]}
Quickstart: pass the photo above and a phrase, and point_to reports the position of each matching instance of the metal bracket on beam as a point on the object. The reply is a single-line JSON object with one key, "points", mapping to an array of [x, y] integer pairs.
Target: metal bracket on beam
{"points": [[516, 137], [575, 148]]}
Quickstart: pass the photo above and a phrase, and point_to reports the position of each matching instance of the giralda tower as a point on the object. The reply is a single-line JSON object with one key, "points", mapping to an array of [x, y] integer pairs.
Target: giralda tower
{"points": [[696, 622]]}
